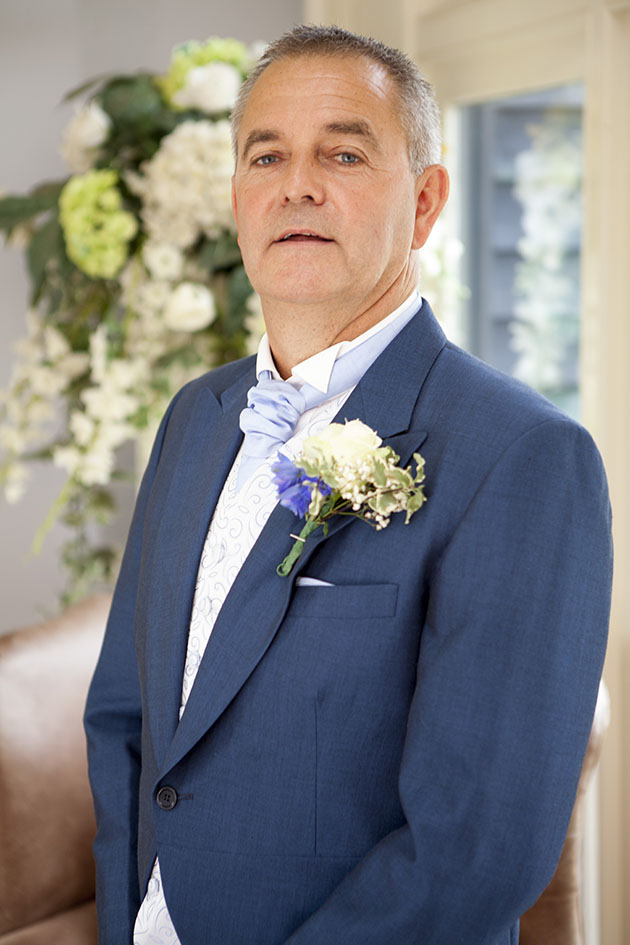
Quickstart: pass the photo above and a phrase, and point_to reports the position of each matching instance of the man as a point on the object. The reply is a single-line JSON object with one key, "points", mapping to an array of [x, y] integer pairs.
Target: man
{"points": [[384, 746]]}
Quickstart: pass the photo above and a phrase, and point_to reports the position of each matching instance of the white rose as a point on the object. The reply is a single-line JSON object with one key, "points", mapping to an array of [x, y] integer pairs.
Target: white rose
{"points": [[211, 88], [190, 307], [83, 135], [163, 260], [345, 443]]}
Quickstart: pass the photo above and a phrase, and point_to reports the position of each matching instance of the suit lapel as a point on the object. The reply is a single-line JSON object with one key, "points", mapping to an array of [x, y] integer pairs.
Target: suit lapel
{"points": [[257, 602], [204, 459]]}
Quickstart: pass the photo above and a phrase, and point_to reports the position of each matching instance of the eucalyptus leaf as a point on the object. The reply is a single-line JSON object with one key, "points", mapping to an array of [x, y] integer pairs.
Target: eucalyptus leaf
{"points": [[14, 210], [133, 103], [80, 90], [46, 245]]}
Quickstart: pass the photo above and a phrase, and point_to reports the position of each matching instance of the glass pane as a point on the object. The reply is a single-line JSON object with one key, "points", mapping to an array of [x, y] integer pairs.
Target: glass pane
{"points": [[521, 210]]}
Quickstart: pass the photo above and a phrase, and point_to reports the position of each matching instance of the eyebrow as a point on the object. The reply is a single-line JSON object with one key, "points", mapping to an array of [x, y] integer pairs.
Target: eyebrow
{"points": [[259, 136], [356, 127]]}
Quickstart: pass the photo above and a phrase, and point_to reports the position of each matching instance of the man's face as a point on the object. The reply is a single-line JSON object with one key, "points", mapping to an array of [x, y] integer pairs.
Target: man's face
{"points": [[324, 196]]}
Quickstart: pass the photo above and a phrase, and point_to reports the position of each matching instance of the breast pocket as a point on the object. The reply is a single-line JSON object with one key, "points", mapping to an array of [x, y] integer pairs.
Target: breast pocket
{"points": [[344, 601]]}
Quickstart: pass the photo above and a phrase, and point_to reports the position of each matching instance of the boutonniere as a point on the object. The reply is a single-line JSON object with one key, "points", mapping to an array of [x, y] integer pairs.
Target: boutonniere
{"points": [[344, 470]]}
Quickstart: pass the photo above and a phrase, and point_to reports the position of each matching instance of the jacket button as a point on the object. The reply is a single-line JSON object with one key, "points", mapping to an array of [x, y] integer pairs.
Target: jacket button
{"points": [[166, 798]]}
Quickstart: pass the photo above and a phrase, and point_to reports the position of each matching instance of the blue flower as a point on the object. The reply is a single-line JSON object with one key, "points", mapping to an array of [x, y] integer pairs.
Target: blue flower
{"points": [[292, 484]]}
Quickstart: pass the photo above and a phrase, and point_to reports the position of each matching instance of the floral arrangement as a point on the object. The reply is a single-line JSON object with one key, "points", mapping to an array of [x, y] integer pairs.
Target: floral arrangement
{"points": [[137, 282], [344, 470]]}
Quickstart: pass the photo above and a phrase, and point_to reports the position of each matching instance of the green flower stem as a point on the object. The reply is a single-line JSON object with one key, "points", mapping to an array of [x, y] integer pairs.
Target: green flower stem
{"points": [[286, 566], [53, 514]]}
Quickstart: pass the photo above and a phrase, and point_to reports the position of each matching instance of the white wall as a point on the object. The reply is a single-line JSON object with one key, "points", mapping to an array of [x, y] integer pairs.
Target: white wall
{"points": [[45, 50]]}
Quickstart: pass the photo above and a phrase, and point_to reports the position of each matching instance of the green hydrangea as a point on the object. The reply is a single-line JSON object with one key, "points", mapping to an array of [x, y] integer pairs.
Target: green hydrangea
{"points": [[189, 55], [96, 229]]}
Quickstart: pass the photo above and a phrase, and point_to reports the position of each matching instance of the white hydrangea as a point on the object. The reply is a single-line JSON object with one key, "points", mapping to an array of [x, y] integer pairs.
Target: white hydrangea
{"points": [[211, 88], [82, 137], [186, 186], [190, 307]]}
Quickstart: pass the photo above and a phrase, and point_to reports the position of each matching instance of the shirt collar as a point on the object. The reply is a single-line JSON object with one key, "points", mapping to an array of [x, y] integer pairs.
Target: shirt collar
{"points": [[317, 369]]}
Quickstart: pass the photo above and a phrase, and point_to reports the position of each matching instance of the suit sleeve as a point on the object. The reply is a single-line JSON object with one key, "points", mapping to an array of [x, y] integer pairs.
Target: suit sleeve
{"points": [[112, 721], [510, 659]]}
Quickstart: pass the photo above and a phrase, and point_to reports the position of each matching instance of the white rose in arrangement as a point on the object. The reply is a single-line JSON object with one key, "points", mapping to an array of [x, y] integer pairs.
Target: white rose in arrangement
{"points": [[348, 443], [211, 88], [190, 307], [163, 260], [84, 134]]}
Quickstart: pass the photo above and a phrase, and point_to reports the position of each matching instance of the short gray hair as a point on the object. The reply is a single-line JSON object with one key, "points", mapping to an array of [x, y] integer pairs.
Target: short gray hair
{"points": [[419, 114]]}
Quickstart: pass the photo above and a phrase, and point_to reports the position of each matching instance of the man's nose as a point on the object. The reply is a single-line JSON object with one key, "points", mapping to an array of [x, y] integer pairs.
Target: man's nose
{"points": [[303, 180]]}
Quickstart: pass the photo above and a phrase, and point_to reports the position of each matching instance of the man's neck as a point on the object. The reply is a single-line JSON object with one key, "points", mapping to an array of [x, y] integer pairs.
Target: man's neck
{"points": [[298, 332]]}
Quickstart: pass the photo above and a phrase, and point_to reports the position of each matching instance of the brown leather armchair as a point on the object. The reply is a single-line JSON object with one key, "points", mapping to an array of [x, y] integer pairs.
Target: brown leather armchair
{"points": [[46, 818]]}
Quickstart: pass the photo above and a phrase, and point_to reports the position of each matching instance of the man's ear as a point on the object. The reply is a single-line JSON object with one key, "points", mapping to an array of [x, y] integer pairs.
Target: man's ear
{"points": [[431, 194], [234, 211]]}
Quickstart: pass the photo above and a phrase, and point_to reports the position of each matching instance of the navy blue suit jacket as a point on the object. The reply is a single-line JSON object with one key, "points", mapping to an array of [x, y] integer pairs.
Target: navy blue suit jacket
{"points": [[392, 760]]}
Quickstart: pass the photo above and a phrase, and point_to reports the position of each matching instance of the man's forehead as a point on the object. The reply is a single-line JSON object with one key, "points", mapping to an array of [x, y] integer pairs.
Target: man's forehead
{"points": [[341, 94]]}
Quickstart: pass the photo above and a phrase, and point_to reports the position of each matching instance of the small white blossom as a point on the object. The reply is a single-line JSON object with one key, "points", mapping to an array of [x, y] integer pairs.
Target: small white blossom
{"points": [[82, 427], [98, 353], [12, 438], [107, 405], [17, 476], [47, 381], [73, 364], [97, 466], [55, 345], [20, 236]]}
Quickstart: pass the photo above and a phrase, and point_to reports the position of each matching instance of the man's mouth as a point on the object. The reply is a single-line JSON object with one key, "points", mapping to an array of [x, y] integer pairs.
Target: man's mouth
{"points": [[302, 236]]}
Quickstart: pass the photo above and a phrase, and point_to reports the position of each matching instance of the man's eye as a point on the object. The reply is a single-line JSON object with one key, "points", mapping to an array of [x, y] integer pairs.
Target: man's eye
{"points": [[265, 159], [346, 157]]}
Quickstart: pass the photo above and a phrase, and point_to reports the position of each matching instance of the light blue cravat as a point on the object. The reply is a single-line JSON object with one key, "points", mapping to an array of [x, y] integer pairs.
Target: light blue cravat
{"points": [[275, 406]]}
